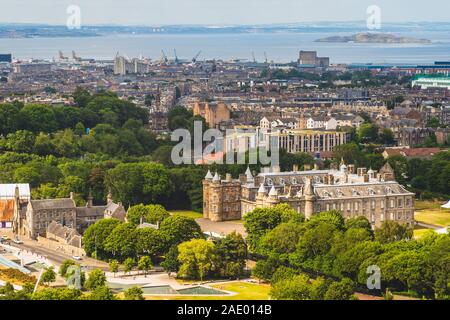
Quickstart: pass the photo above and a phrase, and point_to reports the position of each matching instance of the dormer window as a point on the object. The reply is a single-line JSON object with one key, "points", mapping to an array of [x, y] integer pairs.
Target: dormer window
{"points": [[355, 192], [371, 192], [282, 181], [294, 181], [269, 182]]}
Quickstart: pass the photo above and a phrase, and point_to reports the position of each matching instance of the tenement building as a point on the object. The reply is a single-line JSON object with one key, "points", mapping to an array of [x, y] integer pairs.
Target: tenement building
{"points": [[374, 195]]}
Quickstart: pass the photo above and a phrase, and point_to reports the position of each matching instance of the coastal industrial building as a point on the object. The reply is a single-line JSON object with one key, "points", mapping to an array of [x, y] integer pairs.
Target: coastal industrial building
{"points": [[431, 81], [310, 59]]}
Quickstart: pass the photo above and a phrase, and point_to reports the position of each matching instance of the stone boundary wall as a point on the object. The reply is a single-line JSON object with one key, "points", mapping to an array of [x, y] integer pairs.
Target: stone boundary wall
{"points": [[61, 247]]}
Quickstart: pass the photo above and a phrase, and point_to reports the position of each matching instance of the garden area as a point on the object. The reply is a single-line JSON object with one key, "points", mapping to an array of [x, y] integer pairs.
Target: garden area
{"points": [[430, 212]]}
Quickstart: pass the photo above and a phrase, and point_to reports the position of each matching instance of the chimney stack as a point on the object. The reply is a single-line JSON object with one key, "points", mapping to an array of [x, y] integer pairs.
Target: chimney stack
{"points": [[351, 168]]}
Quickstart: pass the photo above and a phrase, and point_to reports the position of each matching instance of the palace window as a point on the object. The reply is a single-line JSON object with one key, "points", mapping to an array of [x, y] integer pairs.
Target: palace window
{"points": [[408, 202], [400, 203], [392, 203]]}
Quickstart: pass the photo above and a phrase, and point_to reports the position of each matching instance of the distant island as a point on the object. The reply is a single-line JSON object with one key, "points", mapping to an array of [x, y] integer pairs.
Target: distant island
{"points": [[367, 37]]}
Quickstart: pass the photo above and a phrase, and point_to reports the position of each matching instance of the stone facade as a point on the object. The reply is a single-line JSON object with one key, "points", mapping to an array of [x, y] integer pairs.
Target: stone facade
{"points": [[376, 196], [213, 113], [33, 219]]}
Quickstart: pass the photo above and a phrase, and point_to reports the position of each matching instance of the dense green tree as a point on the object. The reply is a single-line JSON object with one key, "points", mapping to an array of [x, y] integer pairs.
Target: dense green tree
{"points": [[9, 118], [171, 263], [262, 220], [37, 118], [196, 259], [283, 273], [56, 294], [21, 141], [128, 265], [145, 264], [94, 238], [48, 276], [231, 253], [150, 213], [96, 279], [134, 293], [114, 266], [367, 133], [296, 288], [151, 242], [391, 231], [134, 183], [179, 229], [101, 293], [121, 243], [342, 290]]}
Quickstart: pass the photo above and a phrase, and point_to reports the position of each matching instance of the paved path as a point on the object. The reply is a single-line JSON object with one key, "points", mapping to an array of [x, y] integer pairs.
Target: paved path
{"points": [[224, 228]]}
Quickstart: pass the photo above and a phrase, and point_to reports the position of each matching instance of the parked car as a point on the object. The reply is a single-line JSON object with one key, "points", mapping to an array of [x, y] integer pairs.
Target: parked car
{"points": [[78, 258], [17, 241]]}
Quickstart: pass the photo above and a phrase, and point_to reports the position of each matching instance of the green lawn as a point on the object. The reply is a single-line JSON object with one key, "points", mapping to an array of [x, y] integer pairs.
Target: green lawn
{"points": [[431, 212], [420, 232], [243, 290], [186, 213]]}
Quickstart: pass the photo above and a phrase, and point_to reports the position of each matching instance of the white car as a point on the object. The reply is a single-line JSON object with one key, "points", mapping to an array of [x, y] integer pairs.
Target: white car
{"points": [[17, 241], [78, 258]]}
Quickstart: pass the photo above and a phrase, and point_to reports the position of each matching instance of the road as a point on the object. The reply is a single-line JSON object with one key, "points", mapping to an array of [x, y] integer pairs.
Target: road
{"points": [[56, 257]]}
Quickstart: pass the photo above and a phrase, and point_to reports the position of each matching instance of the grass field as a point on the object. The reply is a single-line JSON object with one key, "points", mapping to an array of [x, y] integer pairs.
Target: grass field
{"points": [[430, 212], [189, 214], [243, 290], [420, 232]]}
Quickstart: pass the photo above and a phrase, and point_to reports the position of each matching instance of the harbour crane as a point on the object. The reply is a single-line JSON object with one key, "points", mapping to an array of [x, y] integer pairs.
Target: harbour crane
{"points": [[265, 57], [194, 59], [253, 55], [164, 57], [61, 56], [176, 57], [74, 56]]}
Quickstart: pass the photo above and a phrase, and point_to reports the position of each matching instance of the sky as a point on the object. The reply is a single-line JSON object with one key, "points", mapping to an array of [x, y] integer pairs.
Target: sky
{"points": [[219, 12]]}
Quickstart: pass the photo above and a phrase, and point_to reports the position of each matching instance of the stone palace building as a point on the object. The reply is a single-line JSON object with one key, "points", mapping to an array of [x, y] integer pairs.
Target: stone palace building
{"points": [[374, 195]]}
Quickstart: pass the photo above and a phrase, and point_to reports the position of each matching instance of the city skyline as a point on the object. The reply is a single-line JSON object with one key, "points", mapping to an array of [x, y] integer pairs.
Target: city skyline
{"points": [[204, 12]]}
